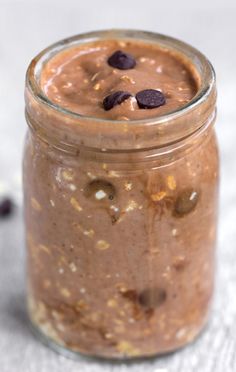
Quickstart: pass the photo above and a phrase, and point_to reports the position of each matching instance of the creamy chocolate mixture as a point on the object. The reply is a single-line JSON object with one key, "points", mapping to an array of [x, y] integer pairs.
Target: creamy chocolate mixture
{"points": [[80, 78], [120, 256]]}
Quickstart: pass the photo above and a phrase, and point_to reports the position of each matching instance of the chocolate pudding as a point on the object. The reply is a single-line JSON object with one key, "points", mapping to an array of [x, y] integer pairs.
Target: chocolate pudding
{"points": [[121, 190], [80, 78]]}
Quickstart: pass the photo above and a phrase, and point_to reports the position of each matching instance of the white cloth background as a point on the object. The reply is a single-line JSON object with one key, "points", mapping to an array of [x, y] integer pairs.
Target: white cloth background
{"points": [[27, 26]]}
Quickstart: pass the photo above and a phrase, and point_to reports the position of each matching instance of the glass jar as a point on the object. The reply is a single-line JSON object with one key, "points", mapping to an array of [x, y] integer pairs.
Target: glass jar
{"points": [[120, 218]]}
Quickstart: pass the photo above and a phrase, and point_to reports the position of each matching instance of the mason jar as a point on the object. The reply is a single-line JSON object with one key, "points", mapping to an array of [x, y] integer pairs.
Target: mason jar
{"points": [[120, 218]]}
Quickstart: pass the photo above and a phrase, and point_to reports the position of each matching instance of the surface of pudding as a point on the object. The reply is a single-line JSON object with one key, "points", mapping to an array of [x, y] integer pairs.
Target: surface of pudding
{"points": [[80, 78]]}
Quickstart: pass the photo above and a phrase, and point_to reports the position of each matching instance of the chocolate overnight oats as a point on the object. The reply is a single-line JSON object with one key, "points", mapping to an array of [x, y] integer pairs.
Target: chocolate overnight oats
{"points": [[121, 187], [84, 80]]}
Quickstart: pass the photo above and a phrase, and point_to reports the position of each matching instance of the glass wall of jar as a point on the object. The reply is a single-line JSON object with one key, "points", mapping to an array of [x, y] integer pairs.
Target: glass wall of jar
{"points": [[120, 219]]}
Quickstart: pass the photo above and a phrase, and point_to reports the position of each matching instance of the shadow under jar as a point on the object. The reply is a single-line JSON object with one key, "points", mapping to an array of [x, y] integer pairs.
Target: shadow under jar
{"points": [[120, 218]]}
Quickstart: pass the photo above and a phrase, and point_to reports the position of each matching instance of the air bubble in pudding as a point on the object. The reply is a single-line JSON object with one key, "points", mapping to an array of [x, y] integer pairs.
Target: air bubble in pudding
{"points": [[100, 190], [186, 202]]}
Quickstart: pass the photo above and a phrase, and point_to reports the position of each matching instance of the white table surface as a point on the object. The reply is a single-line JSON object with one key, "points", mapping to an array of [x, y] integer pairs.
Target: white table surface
{"points": [[26, 26]]}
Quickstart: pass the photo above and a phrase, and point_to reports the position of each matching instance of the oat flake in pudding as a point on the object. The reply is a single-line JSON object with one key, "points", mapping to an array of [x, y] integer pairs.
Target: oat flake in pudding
{"points": [[121, 193]]}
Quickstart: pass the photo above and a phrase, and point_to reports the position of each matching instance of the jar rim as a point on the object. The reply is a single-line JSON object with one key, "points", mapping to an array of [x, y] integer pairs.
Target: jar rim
{"points": [[206, 73]]}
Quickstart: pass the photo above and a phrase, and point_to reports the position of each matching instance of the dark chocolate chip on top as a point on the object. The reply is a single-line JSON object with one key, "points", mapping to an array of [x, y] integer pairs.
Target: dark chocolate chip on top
{"points": [[150, 98], [114, 99], [121, 60]]}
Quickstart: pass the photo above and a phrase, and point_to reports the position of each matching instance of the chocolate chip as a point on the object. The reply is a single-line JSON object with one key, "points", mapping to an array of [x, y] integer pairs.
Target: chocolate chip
{"points": [[121, 60], [115, 216], [131, 295], [114, 99], [186, 202], [100, 190], [180, 263], [150, 98], [152, 297], [6, 207]]}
